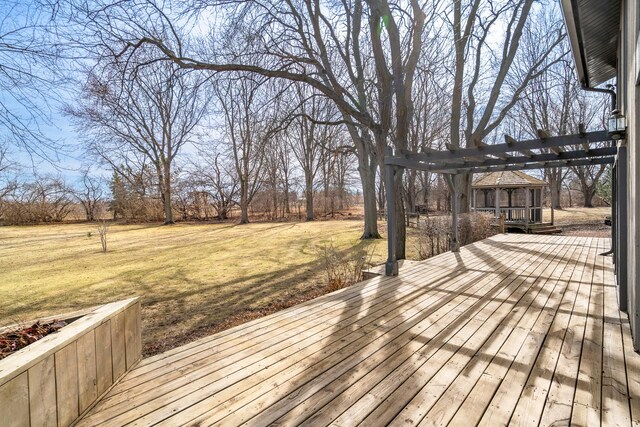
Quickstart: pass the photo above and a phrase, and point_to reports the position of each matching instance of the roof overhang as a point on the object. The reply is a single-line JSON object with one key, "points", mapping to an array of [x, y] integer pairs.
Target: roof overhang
{"points": [[593, 27]]}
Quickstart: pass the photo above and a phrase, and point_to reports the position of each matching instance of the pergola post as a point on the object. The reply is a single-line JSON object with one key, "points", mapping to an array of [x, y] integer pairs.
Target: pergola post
{"points": [[622, 227], [391, 266], [455, 244]]}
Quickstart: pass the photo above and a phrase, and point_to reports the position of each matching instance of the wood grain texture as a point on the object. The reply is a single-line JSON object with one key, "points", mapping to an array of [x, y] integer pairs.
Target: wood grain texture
{"points": [[119, 357], [42, 393], [14, 395], [104, 363], [87, 375], [66, 363], [132, 335]]}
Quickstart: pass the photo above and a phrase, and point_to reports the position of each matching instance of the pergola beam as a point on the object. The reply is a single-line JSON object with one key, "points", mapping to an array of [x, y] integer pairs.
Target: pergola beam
{"points": [[481, 151], [539, 165], [545, 157]]}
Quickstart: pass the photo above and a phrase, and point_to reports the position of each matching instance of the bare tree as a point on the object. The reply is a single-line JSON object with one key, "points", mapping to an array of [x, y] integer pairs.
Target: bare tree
{"points": [[555, 104], [487, 36], [132, 190], [247, 114], [89, 193], [150, 115], [366, 70], [44, 199], [307, 137], [286, 171], [103, 232], [429, 128]]}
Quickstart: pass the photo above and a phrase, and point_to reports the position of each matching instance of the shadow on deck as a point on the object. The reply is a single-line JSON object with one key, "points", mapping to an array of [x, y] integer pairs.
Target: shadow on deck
{"points": [[516, 329]]}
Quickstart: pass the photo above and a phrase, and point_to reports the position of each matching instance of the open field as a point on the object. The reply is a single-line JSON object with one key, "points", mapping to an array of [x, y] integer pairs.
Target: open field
{"points": [[193, 278]]}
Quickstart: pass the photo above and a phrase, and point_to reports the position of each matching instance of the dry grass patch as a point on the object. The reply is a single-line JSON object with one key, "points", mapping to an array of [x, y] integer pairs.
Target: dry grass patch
{"points": [[194, 279], [577, 215], [586, 222]]}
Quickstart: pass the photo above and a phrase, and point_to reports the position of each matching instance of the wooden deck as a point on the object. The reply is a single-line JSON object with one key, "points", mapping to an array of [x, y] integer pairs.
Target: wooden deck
{"points": [[516, 329]]}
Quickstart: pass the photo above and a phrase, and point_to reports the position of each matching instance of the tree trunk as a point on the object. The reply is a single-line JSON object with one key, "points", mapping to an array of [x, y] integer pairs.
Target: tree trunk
{"points": [[274, 200], [244, 202], [555, 187], [166, 194], [367, 165], [367, 170], [308, 192], [588, 192], [287, 207], [168, 211]]}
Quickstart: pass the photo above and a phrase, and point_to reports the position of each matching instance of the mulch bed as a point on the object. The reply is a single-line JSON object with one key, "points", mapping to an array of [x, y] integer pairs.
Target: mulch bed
{"points": [[14, 340]]}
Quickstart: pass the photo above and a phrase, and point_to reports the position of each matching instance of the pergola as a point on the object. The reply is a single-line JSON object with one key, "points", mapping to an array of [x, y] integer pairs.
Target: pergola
{"points": [[514, 194], [541, 153]]}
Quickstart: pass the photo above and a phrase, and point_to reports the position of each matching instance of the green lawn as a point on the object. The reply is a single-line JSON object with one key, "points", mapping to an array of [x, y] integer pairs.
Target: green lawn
{"points": [[193, 278]]}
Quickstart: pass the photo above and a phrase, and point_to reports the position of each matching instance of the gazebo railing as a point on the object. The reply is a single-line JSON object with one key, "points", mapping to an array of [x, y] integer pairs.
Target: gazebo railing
{"points": [[485, 210], [514, 214]]}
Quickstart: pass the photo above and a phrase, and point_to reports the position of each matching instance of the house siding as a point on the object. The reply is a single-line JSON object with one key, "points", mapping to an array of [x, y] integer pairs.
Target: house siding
{"points": [[630, 97]]}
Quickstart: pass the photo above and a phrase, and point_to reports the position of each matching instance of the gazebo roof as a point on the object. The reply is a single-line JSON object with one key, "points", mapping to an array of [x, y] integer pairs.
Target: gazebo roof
{"points": [[507, 179]]}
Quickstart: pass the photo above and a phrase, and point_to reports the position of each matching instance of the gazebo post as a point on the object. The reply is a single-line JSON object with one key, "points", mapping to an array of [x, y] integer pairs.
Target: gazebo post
{"points": [[497, 202], [539, 210], [526, 207], [475, 199]]}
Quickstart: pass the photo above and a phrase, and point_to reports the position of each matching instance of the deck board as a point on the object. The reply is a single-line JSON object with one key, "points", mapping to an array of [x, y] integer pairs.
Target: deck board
{"points": [[516, 329]]}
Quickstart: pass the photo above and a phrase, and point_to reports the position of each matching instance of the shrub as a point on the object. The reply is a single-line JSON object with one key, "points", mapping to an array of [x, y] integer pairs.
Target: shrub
{"points": [[345, 268], [434, 235], [474, 226]]}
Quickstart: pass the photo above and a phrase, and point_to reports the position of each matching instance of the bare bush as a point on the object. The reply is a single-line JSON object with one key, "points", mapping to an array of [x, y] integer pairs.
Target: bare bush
{"points": [[103, 231], [474, 226], [435, 232], [434, 236], [345, 269], [40, 201]]}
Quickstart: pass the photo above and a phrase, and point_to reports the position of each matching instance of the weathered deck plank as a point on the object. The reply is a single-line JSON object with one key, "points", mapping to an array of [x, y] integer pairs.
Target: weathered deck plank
{"points": [[516, 329]]}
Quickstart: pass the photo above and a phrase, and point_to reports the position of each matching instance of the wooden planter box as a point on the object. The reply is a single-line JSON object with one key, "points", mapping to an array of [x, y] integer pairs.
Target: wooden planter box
{"points": [[56, 379]]}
